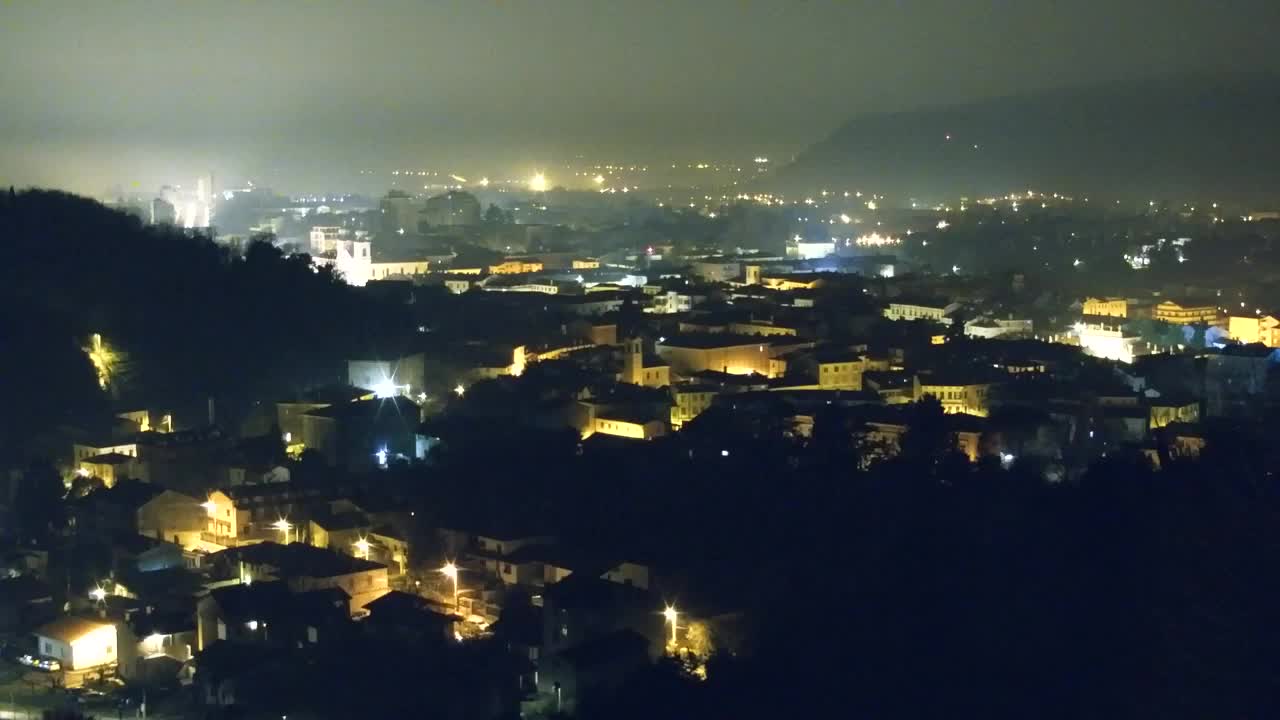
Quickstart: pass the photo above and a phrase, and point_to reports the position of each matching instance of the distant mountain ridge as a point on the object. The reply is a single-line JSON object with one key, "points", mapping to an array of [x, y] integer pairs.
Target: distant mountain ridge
{"points": [[1206, 136]]}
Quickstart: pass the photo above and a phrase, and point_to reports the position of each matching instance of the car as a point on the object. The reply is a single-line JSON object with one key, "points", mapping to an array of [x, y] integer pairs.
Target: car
{"points": [[39, 663]]}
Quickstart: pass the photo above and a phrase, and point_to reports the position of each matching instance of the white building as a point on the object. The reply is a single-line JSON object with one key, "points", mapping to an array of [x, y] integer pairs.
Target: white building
{"points": [[1107, 342], [324, 239], [78, 643]]}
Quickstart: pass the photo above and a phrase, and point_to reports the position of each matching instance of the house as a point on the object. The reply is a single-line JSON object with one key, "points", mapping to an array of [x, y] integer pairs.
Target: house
{"points": [[207, 526], [410, 617], [112, 467], [956, 393], [78, 643], [305, 568], [365, 434], [272, 614], [582, 607]]}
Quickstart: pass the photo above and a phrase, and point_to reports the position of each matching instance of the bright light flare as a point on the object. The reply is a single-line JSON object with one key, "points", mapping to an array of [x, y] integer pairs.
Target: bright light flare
{"points": [[538, 183]]}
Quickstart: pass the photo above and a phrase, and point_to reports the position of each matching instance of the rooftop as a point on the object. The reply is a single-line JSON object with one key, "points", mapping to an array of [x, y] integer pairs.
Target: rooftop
{"points": [[71, 628], [301, 560]]}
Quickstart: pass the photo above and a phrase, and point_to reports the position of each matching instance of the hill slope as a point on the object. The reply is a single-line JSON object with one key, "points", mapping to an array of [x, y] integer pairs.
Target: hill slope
{"points": [[1201, 136]]}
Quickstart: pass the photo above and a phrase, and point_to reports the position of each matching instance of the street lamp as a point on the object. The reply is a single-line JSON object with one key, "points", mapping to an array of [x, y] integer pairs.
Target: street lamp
{"points": [[451, 571], [98, 594], [362, 547], [672, 616], [284, 526]]}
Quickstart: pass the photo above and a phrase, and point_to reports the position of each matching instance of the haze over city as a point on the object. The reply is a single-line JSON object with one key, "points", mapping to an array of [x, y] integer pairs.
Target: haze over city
{"points": [[304, 95]]}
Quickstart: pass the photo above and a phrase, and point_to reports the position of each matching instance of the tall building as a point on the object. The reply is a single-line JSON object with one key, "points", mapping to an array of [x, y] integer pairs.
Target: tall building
{"points": [[452, 208], [400, 213]]}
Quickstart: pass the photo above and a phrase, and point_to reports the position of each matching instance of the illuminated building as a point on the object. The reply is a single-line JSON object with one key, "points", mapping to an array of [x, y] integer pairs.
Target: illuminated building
{"points": [[363, 435], [304, 568], [936, 310], [1106, 307], [400, 213], [78, 643], [112, 467], [457, 287], [83, 451], [399, 376], [405, 270], [801, 250], [670, 303], [515, 267], [1107, 342], [716, 269], [1186, 313], [994, 328], [1249, 329], [1162, 413], [585, 264], [452, 208], [351, 258], [324, 239], [794, 281], [689, 401], [206, 525], [956, 395], [636, 370], [722, 352]]}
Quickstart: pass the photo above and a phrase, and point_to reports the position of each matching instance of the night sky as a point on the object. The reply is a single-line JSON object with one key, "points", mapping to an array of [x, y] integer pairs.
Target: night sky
{"points": [[303, 94]]}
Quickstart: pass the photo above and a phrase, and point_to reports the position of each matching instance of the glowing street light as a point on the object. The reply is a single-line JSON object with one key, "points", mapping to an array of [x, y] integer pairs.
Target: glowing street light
{"points": [[451, 571], [598, 179], [284, 526], [538, 183], [459, 390], [362, 546], [672, 616], [98, 594]]}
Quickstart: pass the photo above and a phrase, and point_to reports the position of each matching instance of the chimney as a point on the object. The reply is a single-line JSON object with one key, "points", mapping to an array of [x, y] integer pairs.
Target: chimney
{"points": [[210, 410]]}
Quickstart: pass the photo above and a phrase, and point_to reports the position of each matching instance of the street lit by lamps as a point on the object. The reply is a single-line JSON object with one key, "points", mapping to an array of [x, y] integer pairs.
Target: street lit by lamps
{"points": [[284, 526], [451, 571]]}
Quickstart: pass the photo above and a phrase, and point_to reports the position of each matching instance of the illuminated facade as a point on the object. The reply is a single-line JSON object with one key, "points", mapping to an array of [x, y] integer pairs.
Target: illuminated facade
{"points": [[689, 402], [208, 526], [1263, 329], [1177, 313], [1109, 343], [398, 270], [936, 312], [78, 643], [1106, 307], [957, 397], [515, 267], [719, 352]]}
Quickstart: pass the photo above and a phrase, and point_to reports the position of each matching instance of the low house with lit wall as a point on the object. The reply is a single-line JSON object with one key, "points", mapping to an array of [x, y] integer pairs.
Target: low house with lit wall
{"points": [[691, 353], [78, 643]]}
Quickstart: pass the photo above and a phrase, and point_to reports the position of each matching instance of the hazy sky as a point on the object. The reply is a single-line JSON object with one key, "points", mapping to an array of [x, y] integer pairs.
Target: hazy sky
{"points": [[96, 92]]}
